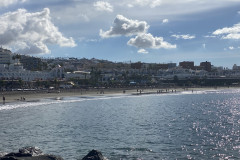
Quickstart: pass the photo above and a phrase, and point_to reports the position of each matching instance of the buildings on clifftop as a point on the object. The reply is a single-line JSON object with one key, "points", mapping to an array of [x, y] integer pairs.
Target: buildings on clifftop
{"points": [[12, 69], [26, 68]]}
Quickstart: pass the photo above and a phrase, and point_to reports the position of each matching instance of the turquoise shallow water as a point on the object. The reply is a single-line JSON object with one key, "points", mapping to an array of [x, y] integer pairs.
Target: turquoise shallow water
{"points": [[200, 125]]}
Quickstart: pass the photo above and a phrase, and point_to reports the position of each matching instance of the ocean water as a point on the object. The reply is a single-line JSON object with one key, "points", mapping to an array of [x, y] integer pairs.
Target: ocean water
{"points": [[199, 125]]}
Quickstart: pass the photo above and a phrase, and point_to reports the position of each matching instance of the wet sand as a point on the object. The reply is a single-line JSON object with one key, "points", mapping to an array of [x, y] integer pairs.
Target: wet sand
{"points": [[29, 96]]}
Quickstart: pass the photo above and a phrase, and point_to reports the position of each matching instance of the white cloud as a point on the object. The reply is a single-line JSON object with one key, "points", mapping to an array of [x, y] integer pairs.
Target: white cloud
{"points": [[143, 51], [155, 3], [174, 9], [165, 21], [130, 5], [83, 17], [34, 31], [229, 32], [103, 6], [185, 36], [231, 48], [146, 40], [204, 45], [34, 48], [209, 36], [5, 3], [143, 3], [232, 36], [125, 27]]}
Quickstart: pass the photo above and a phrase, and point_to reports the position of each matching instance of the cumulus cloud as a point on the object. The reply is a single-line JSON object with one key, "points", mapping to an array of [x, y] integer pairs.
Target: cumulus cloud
{"points": [[147, 40], [103, 6], [143, 51], [232, 36], [34, 31], [184, 36], [229, 32], [34, 48], [125, 27], [165, 21], [5, 3]]}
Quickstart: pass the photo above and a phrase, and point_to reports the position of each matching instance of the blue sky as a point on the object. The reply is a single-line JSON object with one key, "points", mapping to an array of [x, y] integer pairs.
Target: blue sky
{"points": [[158, 31]]}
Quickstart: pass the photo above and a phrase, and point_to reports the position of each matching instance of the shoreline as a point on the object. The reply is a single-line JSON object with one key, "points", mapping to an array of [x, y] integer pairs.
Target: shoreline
{"points": [[30, 96]]}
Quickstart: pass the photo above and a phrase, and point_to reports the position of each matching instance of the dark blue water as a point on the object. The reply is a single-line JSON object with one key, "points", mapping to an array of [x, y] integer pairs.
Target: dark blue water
{"points": [[203, 125]]}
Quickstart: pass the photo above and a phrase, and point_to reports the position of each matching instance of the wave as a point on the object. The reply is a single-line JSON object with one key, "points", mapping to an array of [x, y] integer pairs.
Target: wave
{"points": [[58, 100], [49, 101]]}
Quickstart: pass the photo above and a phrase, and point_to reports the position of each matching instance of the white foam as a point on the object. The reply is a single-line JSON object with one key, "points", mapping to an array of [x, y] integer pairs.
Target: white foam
{"points": [[44, 102], [11, 106]]}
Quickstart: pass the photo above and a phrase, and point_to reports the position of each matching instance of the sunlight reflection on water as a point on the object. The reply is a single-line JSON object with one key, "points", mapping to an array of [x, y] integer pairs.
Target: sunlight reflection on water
{"points": [[202, 125]]}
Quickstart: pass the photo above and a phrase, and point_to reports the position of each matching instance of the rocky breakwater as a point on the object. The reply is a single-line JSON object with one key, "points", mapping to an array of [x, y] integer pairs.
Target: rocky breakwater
{"points": [[34, 153], [29, 153]]}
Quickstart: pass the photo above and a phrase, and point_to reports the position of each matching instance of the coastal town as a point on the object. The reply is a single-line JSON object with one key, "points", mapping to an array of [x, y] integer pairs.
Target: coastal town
{"points": [[26, 72]]}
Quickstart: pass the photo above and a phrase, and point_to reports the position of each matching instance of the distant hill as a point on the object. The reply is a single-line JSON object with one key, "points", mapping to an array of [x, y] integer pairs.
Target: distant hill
{"points": [[33, 63]]}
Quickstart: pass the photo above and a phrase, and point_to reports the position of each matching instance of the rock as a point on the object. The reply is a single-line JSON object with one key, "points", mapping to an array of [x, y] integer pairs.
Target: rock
{"points": [[18, 155], [42, 157], [8, 158], [29, 153], [94, 155], [33, 151], [2, 154]]}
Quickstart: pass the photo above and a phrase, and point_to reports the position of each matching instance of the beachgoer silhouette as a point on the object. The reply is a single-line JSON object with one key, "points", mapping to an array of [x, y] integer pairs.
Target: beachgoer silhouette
{"points": [[4, 100]]}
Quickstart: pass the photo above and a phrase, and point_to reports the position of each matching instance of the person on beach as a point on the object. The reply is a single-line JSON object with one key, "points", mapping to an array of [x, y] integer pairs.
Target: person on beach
{"points": [[4, 99]]}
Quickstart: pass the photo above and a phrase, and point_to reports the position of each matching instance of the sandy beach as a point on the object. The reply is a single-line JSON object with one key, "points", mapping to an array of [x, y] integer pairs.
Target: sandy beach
{"points": [[28, 96]]}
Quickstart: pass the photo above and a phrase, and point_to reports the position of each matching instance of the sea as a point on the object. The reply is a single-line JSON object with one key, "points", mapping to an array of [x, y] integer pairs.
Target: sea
{"points": [[183, 125]]}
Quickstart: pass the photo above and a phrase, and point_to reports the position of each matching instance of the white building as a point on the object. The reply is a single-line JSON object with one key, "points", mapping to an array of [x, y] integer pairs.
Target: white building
{"points": [[78, 74], [12, 69], [181, 73], [57, 72], [16, 71]]}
